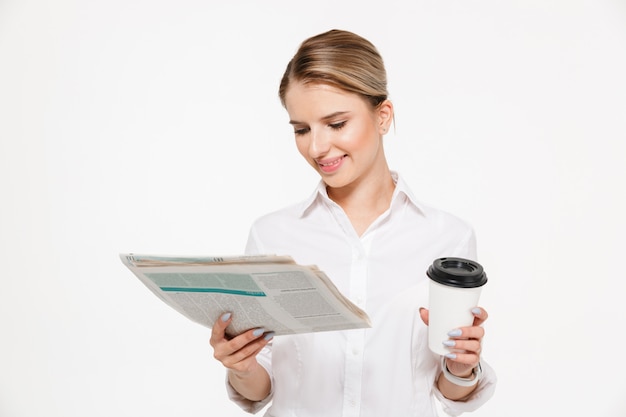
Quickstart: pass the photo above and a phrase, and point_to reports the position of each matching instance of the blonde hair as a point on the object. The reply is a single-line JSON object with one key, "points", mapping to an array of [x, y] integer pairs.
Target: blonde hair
{"points": [[341, 59]]}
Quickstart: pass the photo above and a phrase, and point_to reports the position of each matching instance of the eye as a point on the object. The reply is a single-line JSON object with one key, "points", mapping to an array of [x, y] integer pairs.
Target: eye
{"points": [[301, 131], [338, 125]]}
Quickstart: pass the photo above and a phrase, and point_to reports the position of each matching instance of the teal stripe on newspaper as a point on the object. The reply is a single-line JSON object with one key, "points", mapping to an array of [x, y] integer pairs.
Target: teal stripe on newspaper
{"points": [[218, 290]]}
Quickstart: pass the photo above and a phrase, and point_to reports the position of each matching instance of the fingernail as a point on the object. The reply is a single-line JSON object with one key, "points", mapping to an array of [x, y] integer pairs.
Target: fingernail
{"points": [[258, 332], [455, 333], [449, 343], [225, 316], [269, 336], [476, 311], [450, 355]]}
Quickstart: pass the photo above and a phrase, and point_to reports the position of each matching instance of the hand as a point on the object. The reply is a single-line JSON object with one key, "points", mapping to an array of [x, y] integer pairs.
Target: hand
{"points": [[239, 353], [466, 344]]}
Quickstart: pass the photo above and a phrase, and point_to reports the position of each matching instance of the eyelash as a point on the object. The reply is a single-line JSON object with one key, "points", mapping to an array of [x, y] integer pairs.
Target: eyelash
{"points": [[337, 126], [299, 132], [334, 126]]}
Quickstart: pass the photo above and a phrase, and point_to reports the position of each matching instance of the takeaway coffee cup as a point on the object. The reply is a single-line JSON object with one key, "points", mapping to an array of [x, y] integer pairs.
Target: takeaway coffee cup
{"points": [[454, 289]]}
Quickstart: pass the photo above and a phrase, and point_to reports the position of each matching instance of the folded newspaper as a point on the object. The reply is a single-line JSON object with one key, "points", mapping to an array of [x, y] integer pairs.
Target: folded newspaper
{"points": [[261, 291]]}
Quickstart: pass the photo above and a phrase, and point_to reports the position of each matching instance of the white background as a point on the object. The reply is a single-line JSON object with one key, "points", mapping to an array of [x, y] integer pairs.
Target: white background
{"points": [[154, 126]]}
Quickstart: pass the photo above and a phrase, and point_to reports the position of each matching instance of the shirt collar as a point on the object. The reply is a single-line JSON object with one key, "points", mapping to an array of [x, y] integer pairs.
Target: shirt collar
{"points": [[401, 191]]}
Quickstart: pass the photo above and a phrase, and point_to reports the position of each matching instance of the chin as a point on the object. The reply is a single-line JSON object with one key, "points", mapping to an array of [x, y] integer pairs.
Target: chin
{"points": [[334, 182]]}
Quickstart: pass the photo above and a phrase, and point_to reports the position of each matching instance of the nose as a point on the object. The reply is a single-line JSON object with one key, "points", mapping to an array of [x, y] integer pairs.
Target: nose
{"points": [[319, 145]]}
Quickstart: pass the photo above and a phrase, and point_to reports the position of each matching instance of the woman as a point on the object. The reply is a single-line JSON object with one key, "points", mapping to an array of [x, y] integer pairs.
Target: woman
{"points": [[363, 227]]}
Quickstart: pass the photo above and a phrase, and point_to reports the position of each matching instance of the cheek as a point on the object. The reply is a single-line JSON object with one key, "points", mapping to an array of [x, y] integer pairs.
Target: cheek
{"points": [[303, 147], [359, 139]]}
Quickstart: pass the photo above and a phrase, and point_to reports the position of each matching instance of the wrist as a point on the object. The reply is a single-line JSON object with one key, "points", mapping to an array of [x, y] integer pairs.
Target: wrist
{"points": [[239, 375], [468, 380], [469, 374]]}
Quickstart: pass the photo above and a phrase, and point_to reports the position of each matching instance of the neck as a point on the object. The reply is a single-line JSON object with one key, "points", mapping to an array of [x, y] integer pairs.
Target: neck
{"points": [[364, 202]]}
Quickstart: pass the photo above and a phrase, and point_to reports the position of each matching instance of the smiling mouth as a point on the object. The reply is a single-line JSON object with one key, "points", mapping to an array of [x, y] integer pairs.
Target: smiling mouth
{"points": [[330, 163]]}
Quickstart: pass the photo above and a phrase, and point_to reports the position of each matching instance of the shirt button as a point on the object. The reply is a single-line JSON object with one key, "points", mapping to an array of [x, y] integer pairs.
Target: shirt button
{"points": [[355, 351]]}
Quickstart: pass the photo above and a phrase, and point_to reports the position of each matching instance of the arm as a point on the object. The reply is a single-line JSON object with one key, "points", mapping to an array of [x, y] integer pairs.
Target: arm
{"points": [[238, 355]]}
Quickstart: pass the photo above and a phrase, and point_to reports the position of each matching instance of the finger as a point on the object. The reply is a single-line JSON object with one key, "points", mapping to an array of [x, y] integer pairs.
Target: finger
{"points": [[480, 315], [245, 338], [242, 359], [464, 346], [245, 346], [240, 347], [459, 363], [219, 328], [424, 315], [473, 332]]}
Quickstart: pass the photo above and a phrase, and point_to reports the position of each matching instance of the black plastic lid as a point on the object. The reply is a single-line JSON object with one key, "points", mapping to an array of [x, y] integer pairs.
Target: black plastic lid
{"points": [[457, 272]]}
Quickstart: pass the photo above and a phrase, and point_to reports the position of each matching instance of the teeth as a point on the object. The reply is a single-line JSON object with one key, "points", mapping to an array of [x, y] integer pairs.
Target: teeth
{"points": [[335, 162]]}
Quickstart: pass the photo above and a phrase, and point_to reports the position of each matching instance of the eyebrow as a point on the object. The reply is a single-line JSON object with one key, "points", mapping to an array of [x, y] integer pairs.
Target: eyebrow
{"points": [[325, 118]]}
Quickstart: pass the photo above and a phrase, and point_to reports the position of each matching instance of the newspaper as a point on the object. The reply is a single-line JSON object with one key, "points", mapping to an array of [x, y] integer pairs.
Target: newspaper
{"points": [[261, 291]]}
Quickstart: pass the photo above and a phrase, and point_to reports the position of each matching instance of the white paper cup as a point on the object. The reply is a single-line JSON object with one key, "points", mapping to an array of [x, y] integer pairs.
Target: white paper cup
{"points": [[455, 287]]}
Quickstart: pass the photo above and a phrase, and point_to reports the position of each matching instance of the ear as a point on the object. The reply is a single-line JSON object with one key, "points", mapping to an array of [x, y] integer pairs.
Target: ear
{"points": [[385, 116]]}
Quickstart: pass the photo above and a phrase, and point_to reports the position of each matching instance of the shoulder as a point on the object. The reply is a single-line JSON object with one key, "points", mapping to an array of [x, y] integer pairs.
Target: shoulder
{"points": [[444, 218], [442, 231], [282, 222], [280, 217], [427, 215], [280, 230]]}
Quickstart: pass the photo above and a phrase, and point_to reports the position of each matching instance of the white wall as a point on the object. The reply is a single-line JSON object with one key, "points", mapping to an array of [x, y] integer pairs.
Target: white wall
{"points": [[154, 126]]}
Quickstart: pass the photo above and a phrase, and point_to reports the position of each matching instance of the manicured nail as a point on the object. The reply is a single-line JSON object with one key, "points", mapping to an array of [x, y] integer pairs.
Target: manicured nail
{"points": [[225, 317], [455, 333], [449, 343], [450, 355], [476, 311], [258, 332], [269, 336]]}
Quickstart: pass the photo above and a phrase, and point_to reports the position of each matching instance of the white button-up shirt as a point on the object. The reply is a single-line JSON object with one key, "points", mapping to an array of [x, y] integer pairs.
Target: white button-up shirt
{"points": [[386, 370]]}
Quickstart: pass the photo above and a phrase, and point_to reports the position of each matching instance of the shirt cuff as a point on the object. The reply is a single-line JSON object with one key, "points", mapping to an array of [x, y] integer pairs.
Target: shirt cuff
{"points": [[483, 392]]}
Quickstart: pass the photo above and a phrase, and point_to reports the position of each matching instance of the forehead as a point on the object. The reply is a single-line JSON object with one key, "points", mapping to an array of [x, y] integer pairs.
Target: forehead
{"points": [[316, 100]]}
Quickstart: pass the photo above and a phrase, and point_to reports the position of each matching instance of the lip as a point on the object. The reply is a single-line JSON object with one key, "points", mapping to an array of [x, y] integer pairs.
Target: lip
{"points": [[330, 165]]}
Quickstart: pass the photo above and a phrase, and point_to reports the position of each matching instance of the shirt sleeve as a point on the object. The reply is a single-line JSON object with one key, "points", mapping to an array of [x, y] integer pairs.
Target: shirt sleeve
{"points": [[482, 393], [466, 247], [254, 245]]}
